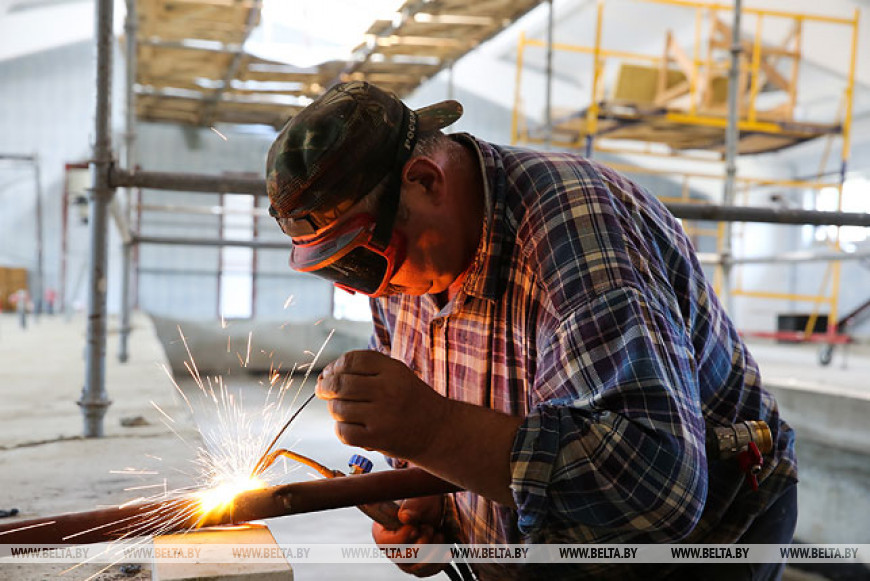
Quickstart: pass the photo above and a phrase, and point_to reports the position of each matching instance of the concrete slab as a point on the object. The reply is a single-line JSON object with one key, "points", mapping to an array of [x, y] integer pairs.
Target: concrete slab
{"points": [[828, 407], [46, 466], [218, 562]]}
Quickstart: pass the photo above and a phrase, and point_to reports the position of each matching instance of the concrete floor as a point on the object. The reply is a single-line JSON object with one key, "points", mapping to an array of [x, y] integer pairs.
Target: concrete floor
{"points": [[47, 468]]}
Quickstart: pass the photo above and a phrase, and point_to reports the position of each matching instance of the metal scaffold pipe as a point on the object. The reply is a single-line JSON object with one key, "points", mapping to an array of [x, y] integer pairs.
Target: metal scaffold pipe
{"points": [[548, 100], [217, 242], [243, 185], [39, 286], [767, 215], [187, 182], [131, 26], [94, 399], [732, 137]]}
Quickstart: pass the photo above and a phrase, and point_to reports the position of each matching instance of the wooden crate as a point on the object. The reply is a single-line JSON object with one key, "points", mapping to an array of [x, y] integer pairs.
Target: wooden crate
{"points": [[11, 280], [638, 84]]}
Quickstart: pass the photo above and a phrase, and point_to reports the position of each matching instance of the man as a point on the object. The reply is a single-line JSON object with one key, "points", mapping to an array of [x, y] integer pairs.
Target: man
{"points": [[544, 338]]}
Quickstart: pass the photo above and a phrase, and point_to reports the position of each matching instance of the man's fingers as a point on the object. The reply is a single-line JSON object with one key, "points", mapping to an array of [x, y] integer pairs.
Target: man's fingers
{"points": [[426, 509], [348, 411], [343, 386], [352, 434], [404, 535], [361, 362]]}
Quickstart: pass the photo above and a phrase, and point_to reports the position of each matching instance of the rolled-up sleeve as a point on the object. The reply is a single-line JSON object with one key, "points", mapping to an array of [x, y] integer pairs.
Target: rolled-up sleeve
{"points": [[615, 435]]}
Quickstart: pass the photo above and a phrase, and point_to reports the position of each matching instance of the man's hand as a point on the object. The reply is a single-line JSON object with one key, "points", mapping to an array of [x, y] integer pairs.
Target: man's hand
{"points": [[421, 518], [378, 403]]}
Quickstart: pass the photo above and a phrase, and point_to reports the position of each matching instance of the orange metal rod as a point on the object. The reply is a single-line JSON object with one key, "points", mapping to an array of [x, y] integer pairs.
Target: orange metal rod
{"points": [[108, 525]]}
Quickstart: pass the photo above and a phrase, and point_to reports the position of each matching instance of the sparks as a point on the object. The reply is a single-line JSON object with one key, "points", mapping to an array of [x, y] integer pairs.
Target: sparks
{"points": [[220, 497], [219, 134], [223, 464]]}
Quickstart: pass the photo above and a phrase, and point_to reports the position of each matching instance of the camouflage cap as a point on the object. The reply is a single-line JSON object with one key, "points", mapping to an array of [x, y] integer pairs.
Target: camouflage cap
{"points": [[343, 144]]}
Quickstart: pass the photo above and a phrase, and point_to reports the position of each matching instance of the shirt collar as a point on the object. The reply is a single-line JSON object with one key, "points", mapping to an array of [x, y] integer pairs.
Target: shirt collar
{"points": [[484, 278]]}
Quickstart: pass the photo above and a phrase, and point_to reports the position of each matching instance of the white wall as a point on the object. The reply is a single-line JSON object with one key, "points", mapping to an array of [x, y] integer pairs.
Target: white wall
{"points": [[46, 108], [182, 281]]}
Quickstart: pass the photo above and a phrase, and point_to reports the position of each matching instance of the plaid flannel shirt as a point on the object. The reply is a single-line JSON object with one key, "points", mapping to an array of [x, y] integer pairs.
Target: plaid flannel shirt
{"points": [[587, 313]]}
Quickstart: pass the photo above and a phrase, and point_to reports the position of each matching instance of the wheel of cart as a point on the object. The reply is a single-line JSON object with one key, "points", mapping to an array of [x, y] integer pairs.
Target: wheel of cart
{"points": [[826, 353]]}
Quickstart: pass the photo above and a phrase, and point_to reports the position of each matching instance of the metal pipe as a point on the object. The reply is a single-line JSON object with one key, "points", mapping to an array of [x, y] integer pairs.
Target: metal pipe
{"points": [[515, 113], [203, 210], [594, 109], [767, 215], [798, 256], [39, 283], [219, 312], [255, 258], [107, 525], [131, 27], [94, 399], [803, 256], [219, 242], [64, 225], [136, 264], [206, 183], [732, 137], [548, 103]]}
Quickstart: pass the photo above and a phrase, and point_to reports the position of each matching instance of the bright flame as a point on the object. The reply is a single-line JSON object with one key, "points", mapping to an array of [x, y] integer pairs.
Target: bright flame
{"points": [[220, 497]]}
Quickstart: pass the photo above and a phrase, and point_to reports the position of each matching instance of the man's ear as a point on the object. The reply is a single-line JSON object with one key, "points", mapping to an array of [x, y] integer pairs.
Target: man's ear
{"points": [[425, 173]]}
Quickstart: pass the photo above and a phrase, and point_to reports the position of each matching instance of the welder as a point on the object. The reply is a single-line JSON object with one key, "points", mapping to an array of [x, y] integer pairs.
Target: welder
{"points": [[544, 337]]}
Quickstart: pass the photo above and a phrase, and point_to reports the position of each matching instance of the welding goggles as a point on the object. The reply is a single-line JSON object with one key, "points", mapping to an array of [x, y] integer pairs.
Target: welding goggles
{"points": [[360, 254]]}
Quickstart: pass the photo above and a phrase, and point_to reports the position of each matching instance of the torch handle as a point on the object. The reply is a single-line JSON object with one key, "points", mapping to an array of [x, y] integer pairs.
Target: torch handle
{"points": [[384, 513]]}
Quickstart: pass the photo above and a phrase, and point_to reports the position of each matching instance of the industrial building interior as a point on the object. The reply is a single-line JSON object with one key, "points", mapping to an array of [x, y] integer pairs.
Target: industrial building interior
{"points": [[141, 273]]}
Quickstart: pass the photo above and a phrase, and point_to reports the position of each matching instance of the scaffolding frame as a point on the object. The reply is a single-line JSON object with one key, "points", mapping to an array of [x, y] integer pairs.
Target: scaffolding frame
{"points": [[743, 85], [107, 178]]}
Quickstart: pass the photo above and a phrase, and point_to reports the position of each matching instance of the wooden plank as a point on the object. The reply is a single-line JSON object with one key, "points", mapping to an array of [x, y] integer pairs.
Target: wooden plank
{"points": [[445, 31], [655, 128]]}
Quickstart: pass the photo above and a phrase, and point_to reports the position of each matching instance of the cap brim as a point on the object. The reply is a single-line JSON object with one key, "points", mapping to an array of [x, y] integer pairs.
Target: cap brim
{"points": [[438, 115]]}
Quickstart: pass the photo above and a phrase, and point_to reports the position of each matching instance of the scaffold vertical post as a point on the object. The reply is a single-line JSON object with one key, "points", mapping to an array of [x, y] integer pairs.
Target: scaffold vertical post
{"points": [[548, 106], [592, 113], [94, 400], [844, 165], [130, 30], [515, 117], [732, 136]]}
